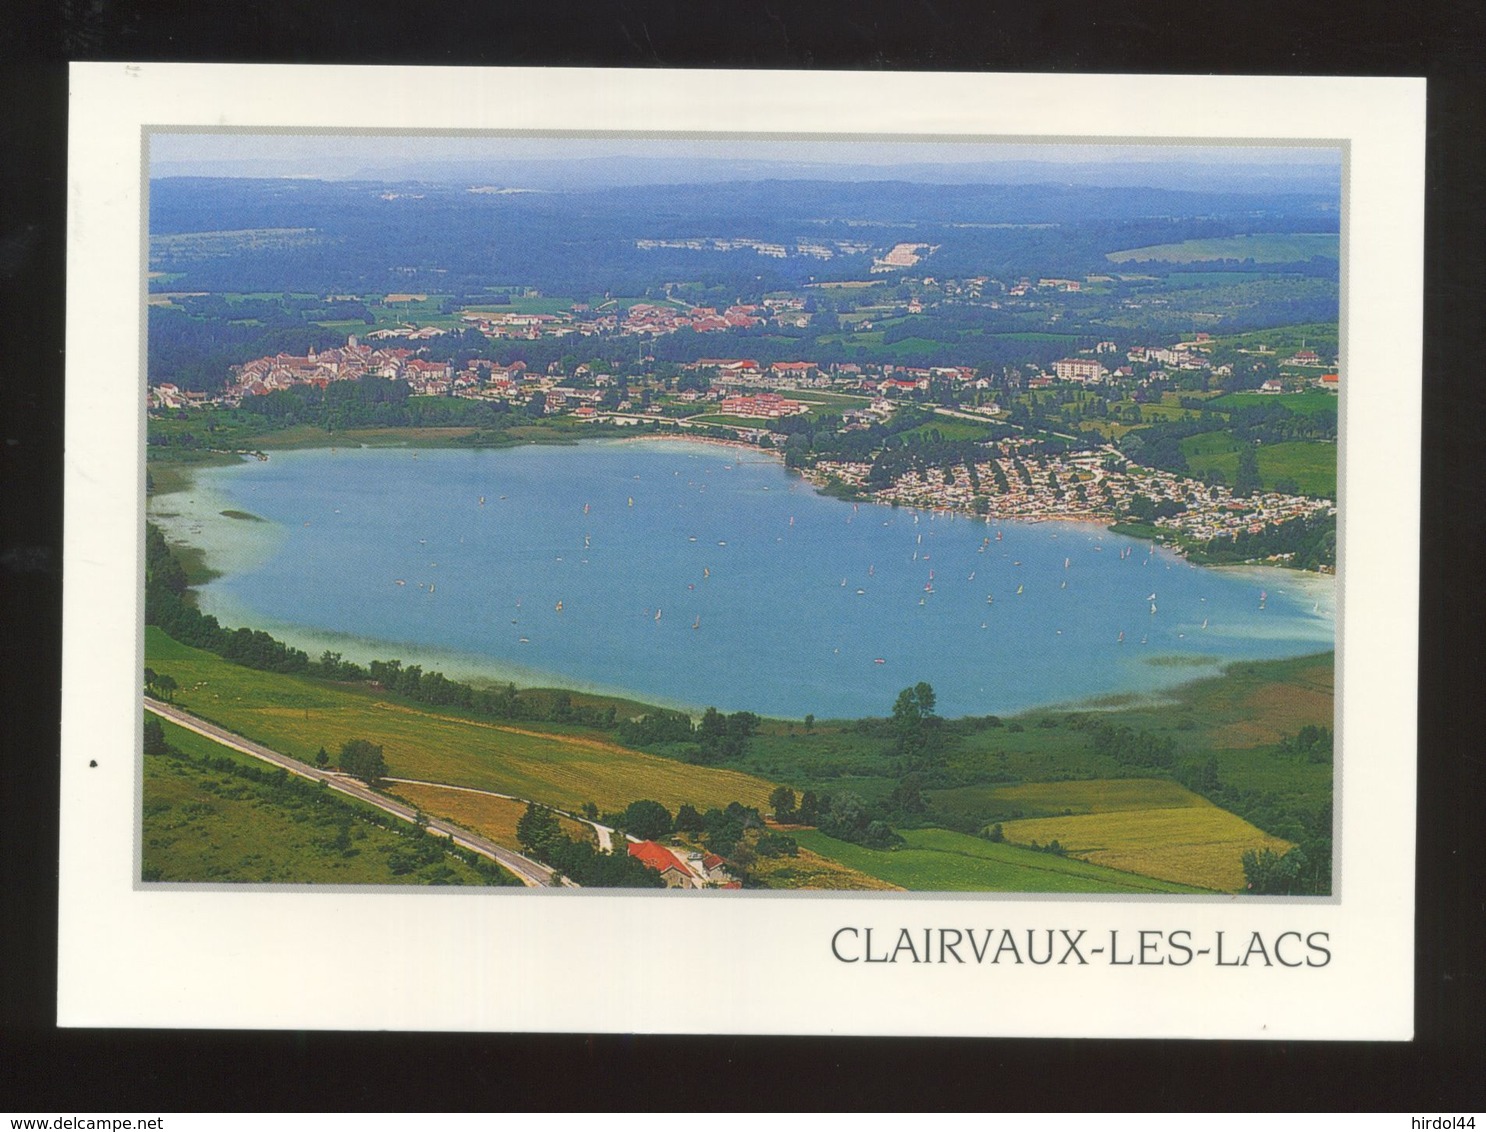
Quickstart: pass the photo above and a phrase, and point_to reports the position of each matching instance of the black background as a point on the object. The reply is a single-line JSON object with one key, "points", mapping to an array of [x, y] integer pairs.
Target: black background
{"points": [[43, 1068]]}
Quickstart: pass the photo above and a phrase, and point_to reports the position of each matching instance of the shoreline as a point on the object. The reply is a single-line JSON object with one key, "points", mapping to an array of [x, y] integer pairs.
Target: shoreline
{"points": [[480, 670], [407, 437]]}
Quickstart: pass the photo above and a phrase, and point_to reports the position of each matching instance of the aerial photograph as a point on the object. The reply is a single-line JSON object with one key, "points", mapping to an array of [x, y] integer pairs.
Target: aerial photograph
{"points": [[741, 514]]}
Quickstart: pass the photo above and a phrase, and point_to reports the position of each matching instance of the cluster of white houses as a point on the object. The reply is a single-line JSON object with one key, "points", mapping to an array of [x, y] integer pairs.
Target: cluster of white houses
{"points": [[1078, 486], [653, 319], [1184, 356], [801, 246]]}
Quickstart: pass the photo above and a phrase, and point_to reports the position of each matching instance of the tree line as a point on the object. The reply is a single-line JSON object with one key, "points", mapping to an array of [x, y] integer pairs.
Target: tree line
{"points": [[712, 738]]}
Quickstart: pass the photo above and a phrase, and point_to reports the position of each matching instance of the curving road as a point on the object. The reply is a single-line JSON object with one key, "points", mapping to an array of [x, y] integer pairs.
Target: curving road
{"points": [[530, 873]]}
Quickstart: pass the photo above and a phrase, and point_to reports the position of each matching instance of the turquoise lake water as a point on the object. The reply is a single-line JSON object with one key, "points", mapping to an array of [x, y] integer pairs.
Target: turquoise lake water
{"points": [[693, 575]]}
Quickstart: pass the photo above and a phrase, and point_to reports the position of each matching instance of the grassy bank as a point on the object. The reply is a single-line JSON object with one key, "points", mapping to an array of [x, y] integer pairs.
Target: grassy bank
{"points": [[205, 824], [558, 765]]}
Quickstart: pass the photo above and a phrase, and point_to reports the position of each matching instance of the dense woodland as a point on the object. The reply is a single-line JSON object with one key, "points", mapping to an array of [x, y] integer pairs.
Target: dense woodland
{"points": [[279, 248], [328, 237]]}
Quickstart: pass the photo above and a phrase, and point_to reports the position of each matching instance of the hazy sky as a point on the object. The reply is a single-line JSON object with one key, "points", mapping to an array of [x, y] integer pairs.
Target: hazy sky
{"points": [[343, 155]]}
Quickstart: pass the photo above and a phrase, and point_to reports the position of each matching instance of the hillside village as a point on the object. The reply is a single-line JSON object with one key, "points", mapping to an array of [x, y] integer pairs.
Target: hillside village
{"points": [[750, 401]]}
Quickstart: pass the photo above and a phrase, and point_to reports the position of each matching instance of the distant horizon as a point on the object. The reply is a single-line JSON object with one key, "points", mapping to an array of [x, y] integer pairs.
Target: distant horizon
{"points": [[599, 162]]}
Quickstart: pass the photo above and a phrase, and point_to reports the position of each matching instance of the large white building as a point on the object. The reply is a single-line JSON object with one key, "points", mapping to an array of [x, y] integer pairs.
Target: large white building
{"points": [[1079, 369]]}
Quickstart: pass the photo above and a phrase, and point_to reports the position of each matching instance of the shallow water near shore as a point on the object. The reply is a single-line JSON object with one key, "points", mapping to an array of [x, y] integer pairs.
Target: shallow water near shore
{"points": [[693, 575]]}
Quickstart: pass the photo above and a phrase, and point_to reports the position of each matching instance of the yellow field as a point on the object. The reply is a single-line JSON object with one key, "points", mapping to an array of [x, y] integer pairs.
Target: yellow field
{"points": [[491, 817], [1196, 843]]}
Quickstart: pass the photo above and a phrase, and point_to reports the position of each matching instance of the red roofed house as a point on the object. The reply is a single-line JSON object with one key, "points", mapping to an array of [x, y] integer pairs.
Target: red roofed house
{"points": [[899, 384], [716, 869], [733, 365], [663, 861]]}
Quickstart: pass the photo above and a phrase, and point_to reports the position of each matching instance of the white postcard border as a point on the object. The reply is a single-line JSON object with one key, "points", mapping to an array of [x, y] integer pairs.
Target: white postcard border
{"points": [[303, 958]]}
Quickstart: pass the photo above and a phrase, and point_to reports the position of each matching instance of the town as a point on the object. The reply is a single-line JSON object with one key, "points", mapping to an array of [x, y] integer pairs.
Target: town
{"points": [[1012, 475]]}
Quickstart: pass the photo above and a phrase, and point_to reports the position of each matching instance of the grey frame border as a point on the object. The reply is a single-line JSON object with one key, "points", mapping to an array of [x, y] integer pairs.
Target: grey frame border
{"points": [[1343, 145]]}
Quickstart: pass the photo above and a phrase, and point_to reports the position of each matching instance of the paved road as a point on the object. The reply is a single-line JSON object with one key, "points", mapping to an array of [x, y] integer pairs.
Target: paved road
{"points": [[529, 872]]}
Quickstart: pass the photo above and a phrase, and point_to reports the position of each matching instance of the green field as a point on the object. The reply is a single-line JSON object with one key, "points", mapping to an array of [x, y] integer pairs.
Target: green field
{"points": [[941, 861], [1319, 336], [203, 824], [549, 763], [1034, 336], [540, 305], [1309, 464], [949, 428], [1040, 764], [829, 402], [1262, 248], [821, 397], [1311, 401], [1093, 796], [425, 312]]}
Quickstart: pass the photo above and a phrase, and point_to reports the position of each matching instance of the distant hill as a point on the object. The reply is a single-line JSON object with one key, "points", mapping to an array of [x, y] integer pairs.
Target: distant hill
{"points": [[1320, 173], [438, 238]]}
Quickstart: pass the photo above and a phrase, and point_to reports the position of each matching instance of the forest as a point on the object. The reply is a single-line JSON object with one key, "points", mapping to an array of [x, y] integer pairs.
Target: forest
{"points": [[243, 235]]}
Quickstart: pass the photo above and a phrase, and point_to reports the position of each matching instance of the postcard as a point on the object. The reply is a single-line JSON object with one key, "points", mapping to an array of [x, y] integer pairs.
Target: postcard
{"points": [[713, 552]]}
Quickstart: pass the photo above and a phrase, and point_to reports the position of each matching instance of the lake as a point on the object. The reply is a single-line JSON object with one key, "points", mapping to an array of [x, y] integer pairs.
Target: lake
{"points": [[688, 575]]}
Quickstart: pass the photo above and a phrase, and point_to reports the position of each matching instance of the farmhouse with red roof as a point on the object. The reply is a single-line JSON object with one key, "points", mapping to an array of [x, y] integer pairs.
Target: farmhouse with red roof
{"points": [[663, 861]]}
